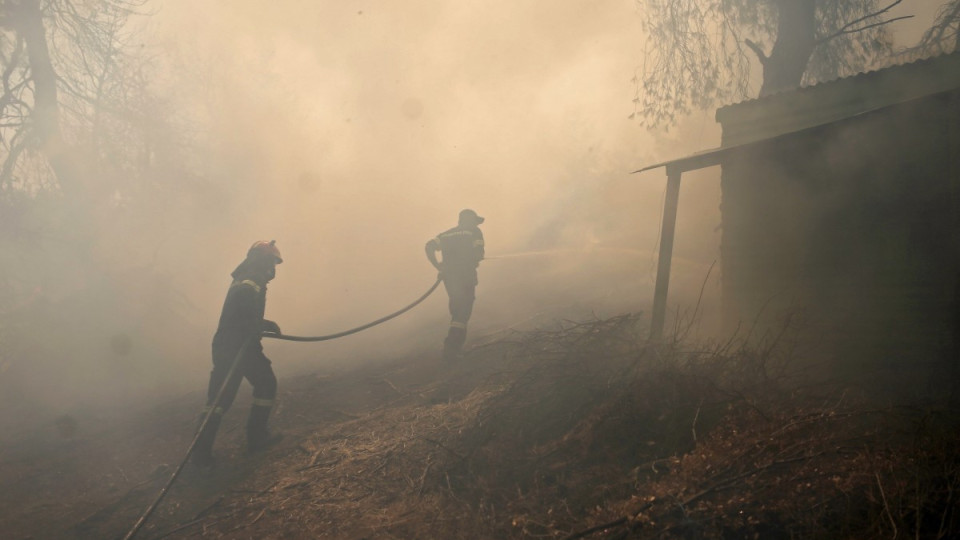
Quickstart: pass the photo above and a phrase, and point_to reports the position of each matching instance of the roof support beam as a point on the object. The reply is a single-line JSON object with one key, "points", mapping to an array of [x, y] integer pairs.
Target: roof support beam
{"points": [[667, 229]]}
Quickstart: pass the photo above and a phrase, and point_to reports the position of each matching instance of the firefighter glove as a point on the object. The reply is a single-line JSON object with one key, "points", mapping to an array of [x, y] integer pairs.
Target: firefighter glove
{"points": [[271, 327]]}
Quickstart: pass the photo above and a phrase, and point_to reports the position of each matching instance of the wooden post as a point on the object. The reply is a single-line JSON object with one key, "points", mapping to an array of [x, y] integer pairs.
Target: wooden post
{"points": [[666, 253]]}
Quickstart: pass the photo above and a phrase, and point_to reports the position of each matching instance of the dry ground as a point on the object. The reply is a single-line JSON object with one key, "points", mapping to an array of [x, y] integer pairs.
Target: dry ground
{"points": [[334, 474], [581, 431]]}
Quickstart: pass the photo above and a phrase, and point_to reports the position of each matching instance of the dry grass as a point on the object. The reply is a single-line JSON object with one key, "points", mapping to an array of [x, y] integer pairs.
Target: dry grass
{"points": [[604, 437], [587, 431]]}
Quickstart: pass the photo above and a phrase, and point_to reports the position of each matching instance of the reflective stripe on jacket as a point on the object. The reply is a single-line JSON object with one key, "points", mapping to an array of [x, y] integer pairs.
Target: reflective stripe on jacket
{"points": [[461, 247]]}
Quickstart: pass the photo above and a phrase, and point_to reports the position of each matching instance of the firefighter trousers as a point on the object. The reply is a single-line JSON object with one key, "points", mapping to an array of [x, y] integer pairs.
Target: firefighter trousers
{"points": [[255, 367], [461, 291]]}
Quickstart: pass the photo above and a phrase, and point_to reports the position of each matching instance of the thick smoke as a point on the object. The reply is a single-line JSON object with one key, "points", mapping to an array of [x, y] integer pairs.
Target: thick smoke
{"points": [[352, 133]]}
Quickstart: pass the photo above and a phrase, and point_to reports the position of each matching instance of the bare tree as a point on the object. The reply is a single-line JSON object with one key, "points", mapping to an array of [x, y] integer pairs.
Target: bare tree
{"points": [[69, 84], [944, 35], [703, 52], [91, 169]]}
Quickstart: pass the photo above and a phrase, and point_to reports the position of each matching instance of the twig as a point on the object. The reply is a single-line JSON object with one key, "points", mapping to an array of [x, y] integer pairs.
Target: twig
{"points": [[885, 505], [598, 528], [386, 380], [209, 507], [256, 519], [383, 463], [245, 525], [610, 524], [652, 465], [693, 428], [423, 477], [696, 308], [438, 443], [195, 522], [186, 525]]}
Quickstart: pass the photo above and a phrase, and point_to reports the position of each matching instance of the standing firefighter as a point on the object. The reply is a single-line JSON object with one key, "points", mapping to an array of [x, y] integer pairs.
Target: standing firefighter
{"points": [[462, 250], [241, 321]]}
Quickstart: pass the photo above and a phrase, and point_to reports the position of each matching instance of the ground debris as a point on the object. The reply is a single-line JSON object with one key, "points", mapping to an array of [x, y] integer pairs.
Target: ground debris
{"points": [[583, 430]]}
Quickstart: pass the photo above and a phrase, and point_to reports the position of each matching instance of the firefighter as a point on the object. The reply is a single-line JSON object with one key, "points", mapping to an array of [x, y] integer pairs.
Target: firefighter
{"points": [[461, 250], [241, 320]]}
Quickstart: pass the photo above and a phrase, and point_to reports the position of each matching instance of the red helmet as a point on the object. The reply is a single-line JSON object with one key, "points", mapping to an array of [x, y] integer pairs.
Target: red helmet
{"points": [[263, 248]]}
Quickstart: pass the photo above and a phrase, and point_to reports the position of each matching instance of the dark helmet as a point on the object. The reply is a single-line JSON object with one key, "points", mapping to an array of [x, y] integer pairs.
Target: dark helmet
{"points": [[264, 249], [469, 217]]}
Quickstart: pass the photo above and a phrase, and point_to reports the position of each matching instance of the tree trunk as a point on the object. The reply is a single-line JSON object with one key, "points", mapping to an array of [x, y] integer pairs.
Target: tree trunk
{"points": [[796, 38], [28, 21]]}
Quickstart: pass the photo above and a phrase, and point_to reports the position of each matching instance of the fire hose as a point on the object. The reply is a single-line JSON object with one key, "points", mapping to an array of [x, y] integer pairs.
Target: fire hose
{"points": [[233, 367]]}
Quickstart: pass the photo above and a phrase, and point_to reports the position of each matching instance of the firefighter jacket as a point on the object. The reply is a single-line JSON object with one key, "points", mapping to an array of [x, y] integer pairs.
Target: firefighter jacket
{"points": [[462, 251], [242, 316]]}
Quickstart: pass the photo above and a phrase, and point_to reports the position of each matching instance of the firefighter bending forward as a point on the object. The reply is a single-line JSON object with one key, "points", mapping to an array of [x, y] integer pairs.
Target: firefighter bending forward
{"points": [[242, 319], [461, 249]]}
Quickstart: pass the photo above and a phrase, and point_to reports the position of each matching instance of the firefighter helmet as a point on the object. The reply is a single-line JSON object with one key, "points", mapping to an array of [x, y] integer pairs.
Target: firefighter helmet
{"points": [[470, 217], [263, 248]]}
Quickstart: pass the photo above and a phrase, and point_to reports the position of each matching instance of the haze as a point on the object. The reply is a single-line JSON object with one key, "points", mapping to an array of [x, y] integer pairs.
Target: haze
{"points": [[352, 133], [356, 132]]}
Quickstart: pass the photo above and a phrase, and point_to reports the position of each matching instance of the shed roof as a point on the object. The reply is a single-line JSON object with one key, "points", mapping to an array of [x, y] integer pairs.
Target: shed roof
{"points": [[827, 102]]}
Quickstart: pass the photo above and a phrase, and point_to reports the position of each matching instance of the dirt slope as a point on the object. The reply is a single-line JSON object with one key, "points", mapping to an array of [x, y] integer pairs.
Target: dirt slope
{"points": [[343, 433], [581, 431]]}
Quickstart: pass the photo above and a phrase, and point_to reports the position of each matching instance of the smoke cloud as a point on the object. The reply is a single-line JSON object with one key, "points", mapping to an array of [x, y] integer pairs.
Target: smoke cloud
{"points": [[352, 133]]}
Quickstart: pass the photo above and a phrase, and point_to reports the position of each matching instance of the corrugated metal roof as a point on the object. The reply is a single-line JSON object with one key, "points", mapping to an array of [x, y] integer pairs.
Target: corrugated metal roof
{"points": [[859, 74], [738, 134], [714, 156], [829, 101]]}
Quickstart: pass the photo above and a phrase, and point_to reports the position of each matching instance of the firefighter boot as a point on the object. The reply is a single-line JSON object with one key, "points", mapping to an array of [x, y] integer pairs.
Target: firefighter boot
{"points": [[203, 452], [258, 437], [456, 337]]}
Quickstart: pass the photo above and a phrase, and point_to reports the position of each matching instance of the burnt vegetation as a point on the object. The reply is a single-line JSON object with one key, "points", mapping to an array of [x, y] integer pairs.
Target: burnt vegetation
{"points": [[602, 435], [579, 431]]}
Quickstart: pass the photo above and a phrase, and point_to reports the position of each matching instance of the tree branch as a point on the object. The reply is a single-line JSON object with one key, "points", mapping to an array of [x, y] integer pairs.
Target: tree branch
{"points": [[861, 29], [870, 15], [948, 15], [15, 55], [17, 146], [757, 51], [847, 28]]}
